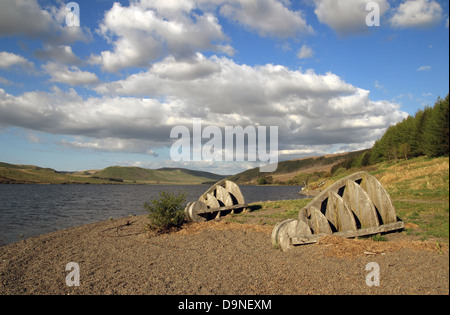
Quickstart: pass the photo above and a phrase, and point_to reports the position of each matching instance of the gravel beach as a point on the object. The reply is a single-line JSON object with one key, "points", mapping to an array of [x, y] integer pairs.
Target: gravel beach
{"points": [[216, 258]]}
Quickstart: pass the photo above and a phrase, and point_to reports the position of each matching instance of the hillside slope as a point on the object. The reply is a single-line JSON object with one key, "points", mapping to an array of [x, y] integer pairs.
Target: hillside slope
{"points": [[29, 174], [288, 170], [159, 176]]}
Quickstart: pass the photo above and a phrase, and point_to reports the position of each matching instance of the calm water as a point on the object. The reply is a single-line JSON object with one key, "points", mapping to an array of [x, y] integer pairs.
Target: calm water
{"points": [[30, 210]]}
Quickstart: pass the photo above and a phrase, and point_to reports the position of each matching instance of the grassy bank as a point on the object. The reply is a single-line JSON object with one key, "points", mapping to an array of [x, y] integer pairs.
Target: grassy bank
{"points": [[419, 189]]}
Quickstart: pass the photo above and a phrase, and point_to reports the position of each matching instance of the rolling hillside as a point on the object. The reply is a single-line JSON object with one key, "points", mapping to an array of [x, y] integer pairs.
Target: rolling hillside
{"points": [[159, 176], [288, 170], [29, 174]]}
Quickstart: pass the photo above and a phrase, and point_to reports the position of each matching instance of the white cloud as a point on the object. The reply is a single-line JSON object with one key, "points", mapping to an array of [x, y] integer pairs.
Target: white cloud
{"points": [[62, 54], [110, 145], [267, 17], [9, 60], [313, 111], [310, 108], [346, 16], [424, 68], [60, 112], [305, 52], [148, 30], [192, 69], [26, 17], [69, 75], [417, 13]]}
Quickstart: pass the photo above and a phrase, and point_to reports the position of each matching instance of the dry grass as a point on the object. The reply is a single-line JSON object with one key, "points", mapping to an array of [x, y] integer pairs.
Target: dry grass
{"points": [[351, 248], [417, 174]]}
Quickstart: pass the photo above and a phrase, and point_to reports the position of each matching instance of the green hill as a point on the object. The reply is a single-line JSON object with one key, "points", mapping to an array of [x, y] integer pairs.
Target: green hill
{"points": [[29, 174], [159, 176]]}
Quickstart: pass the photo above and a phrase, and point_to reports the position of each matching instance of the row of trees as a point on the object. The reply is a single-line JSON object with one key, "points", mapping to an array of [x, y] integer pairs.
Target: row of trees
{"points": [[427, 133]]}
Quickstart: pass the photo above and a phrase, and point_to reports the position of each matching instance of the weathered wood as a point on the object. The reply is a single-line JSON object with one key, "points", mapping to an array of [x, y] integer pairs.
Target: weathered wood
{"points": [[338, 213], [380, 198], [359, 202], [275, 232], [311, 239], [211, 201], [357, 205], [220, 199], [193, 209], [315, 220], [234, 191], [317, 201], [284, 232], [223, 196], [225, 208]]}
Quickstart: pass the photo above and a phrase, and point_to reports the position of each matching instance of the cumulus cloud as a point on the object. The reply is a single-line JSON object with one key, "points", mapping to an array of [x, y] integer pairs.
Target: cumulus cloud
{"points": [[60, 112], [194, 68], [10, 60], [145, 31], [267, 17], [27, 18], [417, 13], [346, 17], [62, 54], [69, 75], [137, 113]]}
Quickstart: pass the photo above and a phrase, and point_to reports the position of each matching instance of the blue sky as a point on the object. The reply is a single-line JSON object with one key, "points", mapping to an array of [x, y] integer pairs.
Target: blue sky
{"points": [[107, 89]]}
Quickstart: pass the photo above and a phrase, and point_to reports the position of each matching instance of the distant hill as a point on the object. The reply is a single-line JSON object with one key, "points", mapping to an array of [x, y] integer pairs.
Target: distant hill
{"points": [[159, 176], [288, 170], [30, 174]]}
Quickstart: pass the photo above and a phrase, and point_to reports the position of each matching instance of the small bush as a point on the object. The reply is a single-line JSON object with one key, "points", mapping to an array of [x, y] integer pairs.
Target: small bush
{"points": [[167, 211], [265, 180]]}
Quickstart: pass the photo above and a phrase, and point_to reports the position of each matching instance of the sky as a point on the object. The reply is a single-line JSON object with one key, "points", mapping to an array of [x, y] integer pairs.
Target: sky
{"points": [[91, 84]]}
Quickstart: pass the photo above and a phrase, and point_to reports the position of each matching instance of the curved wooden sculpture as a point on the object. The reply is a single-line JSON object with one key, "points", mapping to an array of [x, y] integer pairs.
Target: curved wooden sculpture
{"points": [[222, 198], [357, 205]]}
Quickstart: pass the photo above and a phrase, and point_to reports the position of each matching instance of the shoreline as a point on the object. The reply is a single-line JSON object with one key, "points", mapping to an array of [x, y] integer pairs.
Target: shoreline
{"points": [[120, 257]]}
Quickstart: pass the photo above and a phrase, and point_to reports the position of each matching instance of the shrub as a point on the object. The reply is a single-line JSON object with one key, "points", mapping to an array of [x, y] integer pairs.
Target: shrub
{"points": [[266, 180], [167, 211], [262, 181]]}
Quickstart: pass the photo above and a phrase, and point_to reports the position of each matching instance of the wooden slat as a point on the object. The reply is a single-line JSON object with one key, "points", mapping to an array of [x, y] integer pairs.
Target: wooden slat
{"points": [[350, 234], [212, 210]]}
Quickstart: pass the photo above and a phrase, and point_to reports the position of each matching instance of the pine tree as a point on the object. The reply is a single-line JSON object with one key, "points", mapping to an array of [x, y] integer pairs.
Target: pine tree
{"points": [[437, 130], [427, 133], [421, 118]]}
